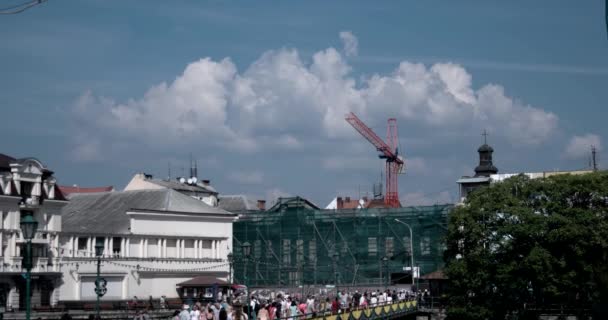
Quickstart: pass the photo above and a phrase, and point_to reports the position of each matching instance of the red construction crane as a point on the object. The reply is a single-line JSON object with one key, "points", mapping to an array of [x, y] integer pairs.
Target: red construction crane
{"points": [[388, 150]]}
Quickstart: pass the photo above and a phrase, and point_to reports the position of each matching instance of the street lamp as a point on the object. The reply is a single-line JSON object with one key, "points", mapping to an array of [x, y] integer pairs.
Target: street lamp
{"points": [[247, 252], [28, 227], [100, 283], [385, 265], [411, 248]]}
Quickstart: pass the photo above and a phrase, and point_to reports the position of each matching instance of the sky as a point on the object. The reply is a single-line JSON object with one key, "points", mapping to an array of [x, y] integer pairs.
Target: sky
{"points": [[257, 91]]}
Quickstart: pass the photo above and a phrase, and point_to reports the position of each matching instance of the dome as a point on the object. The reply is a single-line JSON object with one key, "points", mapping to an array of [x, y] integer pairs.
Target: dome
{"points": [[485, 148]]}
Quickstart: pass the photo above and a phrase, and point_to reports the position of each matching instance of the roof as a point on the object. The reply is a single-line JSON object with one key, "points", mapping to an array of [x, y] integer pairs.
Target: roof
{"points": [[375, 203], [485, 148], [175, 185], [435, 275], [235, 203], [201, 281], [107, 212], [5, 161], [290, 202], [67, 190], [473, 180]]}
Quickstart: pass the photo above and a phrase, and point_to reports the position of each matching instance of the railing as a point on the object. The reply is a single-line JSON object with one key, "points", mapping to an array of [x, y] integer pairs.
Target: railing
{"points": [[371, 312]]}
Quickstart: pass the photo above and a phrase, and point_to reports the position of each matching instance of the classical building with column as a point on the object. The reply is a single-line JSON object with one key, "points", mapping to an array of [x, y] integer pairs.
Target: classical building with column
{"points": [[153, 240], [28, 187]]}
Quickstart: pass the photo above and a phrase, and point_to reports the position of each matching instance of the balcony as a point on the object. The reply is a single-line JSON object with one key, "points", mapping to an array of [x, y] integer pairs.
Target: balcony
{"points": [[40, 264], [40, 237]]}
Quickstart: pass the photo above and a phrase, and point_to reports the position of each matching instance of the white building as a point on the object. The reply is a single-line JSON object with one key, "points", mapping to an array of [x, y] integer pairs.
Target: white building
{"points": [[201, 190], [28, 187], [153, 239]]}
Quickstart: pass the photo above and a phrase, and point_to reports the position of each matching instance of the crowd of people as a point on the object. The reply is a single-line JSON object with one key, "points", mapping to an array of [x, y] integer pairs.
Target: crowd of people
{"points": [[292, 306]]}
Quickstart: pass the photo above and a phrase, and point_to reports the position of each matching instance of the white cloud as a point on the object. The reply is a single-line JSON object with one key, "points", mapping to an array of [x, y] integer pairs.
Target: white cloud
{"points": [[350, 43], [422, 199], [254, 177], [212, 104], [580, 146]]}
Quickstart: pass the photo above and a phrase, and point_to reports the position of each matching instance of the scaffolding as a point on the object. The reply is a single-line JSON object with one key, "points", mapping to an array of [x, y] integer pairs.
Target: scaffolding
{"points": [[294, 245]]}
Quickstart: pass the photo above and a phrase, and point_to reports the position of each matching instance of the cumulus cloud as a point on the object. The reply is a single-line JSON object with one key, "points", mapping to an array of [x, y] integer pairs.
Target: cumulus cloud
{"points": [[280, 97], [580, 146], [350, 43]]}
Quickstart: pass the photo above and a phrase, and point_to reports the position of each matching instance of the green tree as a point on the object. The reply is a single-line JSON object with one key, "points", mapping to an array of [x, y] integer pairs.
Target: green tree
{"points": [[529, 242]]}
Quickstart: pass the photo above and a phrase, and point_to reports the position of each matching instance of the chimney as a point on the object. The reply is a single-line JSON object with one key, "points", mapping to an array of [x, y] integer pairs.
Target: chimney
{"points": [[262, 205], [347, 199], [206, 182], [340, 203]]}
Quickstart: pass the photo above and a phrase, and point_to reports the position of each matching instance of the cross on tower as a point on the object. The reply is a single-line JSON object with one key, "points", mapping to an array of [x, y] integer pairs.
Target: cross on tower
{"points": [[485, 136]]}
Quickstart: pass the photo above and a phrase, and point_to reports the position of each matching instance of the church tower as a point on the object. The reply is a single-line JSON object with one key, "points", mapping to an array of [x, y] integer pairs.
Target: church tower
{"points": [[485, 167]]}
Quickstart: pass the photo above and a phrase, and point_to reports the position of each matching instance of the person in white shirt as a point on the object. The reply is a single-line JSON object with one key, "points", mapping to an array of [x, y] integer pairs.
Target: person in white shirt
{"points": [[374, 299], [195, 314]]}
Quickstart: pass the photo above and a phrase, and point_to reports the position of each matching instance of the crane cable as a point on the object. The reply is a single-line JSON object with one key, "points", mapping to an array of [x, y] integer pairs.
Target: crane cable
{"points": [[20, 7]]}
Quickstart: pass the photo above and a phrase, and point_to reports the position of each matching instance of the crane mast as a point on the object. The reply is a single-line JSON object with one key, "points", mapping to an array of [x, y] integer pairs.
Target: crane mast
{"points": [[388, 150]]}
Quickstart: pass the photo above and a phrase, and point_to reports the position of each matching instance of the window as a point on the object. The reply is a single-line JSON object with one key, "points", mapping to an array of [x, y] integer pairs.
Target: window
{"points": [[312, 251], [425, 246], [286, 251], [372, 246], [116, 246], [389, 246], [257, 249], [82, 247], [26, 188], [299, 251], [406, 245]]}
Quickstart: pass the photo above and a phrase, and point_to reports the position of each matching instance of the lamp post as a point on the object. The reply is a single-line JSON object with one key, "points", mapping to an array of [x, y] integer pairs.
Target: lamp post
{"points": [[100, 283], [411, 248], [28, 227], [247, 252], [385, 265]]}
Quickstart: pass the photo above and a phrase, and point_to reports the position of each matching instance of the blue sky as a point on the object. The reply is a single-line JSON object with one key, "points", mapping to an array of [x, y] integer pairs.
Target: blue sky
{"points": [[256, 91]]}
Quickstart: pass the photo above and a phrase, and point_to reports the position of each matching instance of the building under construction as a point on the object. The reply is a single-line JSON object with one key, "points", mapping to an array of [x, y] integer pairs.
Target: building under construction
{"points": [[295, 243]]}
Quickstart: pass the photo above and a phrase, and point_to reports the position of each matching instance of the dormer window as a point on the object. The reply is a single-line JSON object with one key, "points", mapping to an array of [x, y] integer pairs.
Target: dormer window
{"points": [[26, 188]]}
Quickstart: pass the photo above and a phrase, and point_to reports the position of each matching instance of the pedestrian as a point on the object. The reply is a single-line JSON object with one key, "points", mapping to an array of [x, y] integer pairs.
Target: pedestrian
{"points": [[195, 313], [185, 314], [335, 306], [223, 314], [263, 314], [175, 315], [293, 310]]}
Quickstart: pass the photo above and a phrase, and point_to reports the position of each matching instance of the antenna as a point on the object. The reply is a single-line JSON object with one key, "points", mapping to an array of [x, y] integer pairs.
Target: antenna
{"points": [[191, 166], [593, 154], [485, 136], [169, 171], [195, 169]]}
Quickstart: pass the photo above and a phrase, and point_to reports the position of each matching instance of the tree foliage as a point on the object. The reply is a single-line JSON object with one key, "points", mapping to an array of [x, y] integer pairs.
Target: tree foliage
{"points": [[525, 243]]}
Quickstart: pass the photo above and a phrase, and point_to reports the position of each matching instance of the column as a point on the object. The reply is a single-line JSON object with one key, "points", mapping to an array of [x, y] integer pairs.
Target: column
{"points": [[74, 247], [106, 246], [128, 247], [13, 244], [164, 248], [183, 248], [159, 247], [123, 251], [111, 246], [195, 248], [219, 248], [141, 248]]}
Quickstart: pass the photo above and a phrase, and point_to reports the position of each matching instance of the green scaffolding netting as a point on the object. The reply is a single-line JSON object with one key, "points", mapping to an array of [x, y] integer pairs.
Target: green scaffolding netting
{"points": [[293, 245]]}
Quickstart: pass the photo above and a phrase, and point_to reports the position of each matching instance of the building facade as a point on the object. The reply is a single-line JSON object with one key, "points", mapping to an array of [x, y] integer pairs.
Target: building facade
{"points": [[295, 243], [28, 187], [152, 240]]}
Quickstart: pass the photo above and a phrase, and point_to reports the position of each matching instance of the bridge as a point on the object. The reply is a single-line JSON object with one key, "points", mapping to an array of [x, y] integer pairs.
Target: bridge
{"points": [[388, 311]]}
